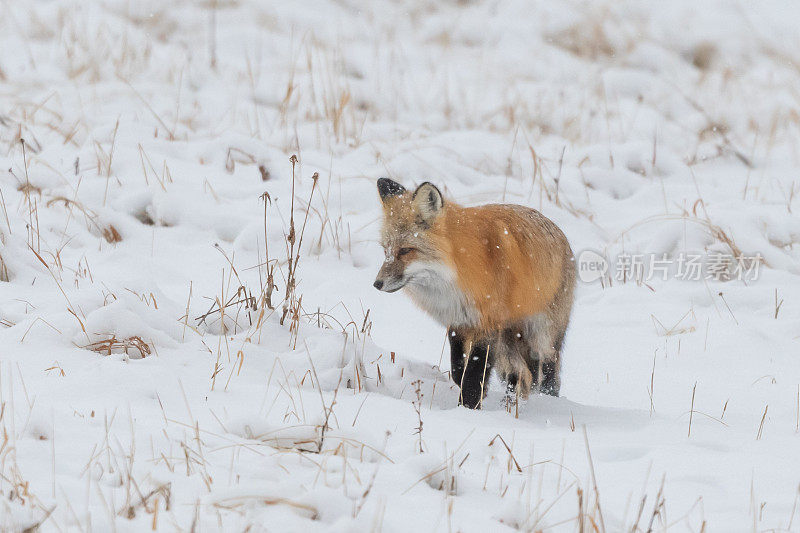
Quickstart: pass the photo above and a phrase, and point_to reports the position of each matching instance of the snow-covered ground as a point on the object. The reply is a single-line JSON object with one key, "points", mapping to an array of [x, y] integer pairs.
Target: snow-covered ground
{"points": [[155, 186]]}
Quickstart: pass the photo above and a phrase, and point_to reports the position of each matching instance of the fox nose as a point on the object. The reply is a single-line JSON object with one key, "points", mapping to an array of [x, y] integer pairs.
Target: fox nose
{"points": [[378, 284]]}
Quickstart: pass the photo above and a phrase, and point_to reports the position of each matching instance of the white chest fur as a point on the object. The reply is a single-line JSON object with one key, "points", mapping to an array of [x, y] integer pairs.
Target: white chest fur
{"points": [[433, 287]]}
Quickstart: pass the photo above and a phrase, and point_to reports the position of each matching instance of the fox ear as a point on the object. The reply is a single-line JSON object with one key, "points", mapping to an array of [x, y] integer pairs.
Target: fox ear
{"points": [[428, 201], [388, 188]]}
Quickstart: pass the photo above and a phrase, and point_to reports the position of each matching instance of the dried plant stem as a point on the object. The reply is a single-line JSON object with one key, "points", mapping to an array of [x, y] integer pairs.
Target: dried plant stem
{"points": [[594, 481], [291, 303], [417, 403], [761, 425], [691, 410]]}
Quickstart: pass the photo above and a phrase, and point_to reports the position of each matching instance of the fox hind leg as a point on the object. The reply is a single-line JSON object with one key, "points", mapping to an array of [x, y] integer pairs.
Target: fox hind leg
{"points": [[551, 369], [512, 383], [511, 362], [551, 382], [544, 340]]}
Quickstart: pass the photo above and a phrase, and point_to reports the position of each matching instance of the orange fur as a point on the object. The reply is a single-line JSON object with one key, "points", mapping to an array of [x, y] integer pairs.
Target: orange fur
{"points": [[503, 260]]}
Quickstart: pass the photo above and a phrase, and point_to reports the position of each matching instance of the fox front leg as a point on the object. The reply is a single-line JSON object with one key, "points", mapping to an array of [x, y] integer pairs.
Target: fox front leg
{"points": [[471, 365]]}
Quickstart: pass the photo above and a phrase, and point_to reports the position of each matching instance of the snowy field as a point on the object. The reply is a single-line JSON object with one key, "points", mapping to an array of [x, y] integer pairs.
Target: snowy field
{"points": [[173, 356]]}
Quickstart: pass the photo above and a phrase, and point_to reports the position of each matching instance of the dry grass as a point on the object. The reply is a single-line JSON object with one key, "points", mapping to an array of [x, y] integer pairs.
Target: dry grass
{"points": [[134, 345], [292, 302], [703, 55], [239, 305], [241, 502], [587, 39], [108, 232], [4, 275]]}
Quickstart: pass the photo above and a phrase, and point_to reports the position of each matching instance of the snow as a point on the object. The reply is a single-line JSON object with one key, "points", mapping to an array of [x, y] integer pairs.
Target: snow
{"points": [[135, 209]]}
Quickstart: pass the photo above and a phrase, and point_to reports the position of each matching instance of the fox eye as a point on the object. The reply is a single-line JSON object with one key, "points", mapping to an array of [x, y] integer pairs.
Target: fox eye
{"points": [[404, 251]]}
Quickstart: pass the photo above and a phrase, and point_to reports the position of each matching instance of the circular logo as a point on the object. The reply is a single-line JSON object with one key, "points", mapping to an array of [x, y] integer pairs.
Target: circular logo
{"points": [[591, 266]]}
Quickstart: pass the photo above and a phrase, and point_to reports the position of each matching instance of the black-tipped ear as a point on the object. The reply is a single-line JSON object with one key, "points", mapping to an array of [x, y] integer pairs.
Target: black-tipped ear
{"points": [[388, 188], [428, 201]]}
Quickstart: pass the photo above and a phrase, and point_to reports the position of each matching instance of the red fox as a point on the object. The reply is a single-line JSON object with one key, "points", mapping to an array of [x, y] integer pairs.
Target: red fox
{"points": [[500, 277]]}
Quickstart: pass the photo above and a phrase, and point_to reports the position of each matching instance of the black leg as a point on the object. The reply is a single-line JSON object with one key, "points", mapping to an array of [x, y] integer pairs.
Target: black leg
{"points": [[551, 370], [456, 355], [545, 375], [511, 385], [513, 346], [551, 382], [475, 377], [511, 390]]}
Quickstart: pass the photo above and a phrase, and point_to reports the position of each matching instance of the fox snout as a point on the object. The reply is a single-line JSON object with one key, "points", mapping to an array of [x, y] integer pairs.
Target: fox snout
{"points": [[390, 277]]}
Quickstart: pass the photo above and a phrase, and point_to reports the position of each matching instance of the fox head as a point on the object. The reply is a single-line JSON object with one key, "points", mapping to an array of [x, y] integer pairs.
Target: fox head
{"points": [[412, 253]]}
